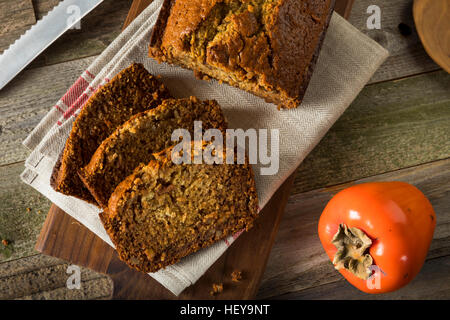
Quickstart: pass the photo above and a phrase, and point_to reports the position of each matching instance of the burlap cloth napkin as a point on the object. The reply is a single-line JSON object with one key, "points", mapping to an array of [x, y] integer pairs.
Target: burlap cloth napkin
{"points": [[347, 61]]}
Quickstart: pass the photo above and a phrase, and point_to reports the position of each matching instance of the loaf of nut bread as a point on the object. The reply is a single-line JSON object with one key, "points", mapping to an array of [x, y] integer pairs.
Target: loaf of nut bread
{"points": [[266, 47]]}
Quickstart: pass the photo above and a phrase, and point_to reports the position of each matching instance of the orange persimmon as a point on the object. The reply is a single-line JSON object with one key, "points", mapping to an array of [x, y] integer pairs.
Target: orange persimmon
{"points": [[378, 234]]}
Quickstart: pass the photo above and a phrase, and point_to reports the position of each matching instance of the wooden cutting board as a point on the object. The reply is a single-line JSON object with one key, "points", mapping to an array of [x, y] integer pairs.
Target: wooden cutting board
{"points": [[65, 238]]}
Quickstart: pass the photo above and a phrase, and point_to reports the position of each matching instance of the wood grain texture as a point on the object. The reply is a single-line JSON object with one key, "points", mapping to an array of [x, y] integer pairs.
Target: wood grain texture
{"points": [[41, 277], [432, 20], [298, 263], [17, 224], [15, 18], [407, 56], [136, 8], [42, 7], [432, 283], [60, 225], [390, 125]]}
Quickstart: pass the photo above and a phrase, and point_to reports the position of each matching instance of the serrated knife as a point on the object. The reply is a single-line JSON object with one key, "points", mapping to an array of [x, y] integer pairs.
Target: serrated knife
{"points": [[63, 17]]}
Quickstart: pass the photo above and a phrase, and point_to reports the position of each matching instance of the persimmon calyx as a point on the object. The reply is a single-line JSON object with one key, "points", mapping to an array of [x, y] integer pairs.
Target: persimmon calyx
{"points": [[352, 244]]}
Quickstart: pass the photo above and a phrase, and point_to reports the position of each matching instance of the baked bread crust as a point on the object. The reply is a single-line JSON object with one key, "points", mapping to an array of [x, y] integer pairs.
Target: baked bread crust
{"points": [[164, 211], [266, 47], [146, 133], [131, 91]]}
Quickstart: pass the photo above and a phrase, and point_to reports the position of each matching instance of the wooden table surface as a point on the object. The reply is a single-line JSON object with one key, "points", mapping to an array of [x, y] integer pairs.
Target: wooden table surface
{"points": [[398, 128]]}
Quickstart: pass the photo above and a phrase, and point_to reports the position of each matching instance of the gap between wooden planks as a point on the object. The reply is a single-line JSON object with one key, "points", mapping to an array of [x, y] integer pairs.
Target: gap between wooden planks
{"points": [[64, 237]]}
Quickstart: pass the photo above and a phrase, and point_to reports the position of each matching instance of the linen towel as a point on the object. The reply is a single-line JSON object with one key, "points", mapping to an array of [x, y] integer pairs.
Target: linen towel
{"points": [[347, 61]]}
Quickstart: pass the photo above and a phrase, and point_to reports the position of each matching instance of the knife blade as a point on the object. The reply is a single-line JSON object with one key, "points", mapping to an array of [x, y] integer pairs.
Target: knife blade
{"points": [[41, 35]]}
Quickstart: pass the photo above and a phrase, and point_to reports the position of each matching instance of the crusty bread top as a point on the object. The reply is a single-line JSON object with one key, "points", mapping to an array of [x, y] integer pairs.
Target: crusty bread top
{"points": [[271, 43]]}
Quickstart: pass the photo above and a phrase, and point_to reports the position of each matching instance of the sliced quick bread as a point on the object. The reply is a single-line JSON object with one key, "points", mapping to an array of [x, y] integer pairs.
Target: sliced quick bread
{"points": [[131, 91], [144, 134], [166, 211]]}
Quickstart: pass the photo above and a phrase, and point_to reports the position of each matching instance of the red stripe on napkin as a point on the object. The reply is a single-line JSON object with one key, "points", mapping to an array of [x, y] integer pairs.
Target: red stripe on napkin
{"points": [[59, 108], [89, 74], [76, 105], [75, 91], [77, 95]]}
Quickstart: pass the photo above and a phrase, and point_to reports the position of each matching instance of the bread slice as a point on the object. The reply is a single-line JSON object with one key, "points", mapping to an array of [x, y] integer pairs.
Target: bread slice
{"points": [[164, 211], [131, 91], [266, 47], [146, 133]]}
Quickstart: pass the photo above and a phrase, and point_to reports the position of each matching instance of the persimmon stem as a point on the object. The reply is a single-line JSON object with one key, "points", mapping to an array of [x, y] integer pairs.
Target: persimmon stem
{"points": [[352, 244]]}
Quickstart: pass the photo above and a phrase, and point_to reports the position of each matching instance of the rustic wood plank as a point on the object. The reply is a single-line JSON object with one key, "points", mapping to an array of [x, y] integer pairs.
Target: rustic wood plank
{"points": [[432, 283], [15, 18], [297, 261], [42, 7], [15, 15], [17, 224], [59, 225], [26, 100], [389, 126], [408, 56], [96, 289], [43, 277]]}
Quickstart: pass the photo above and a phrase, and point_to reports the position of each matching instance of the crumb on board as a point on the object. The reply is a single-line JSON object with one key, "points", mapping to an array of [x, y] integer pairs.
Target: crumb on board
{"points": [[236, 276], [216, 288]]}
